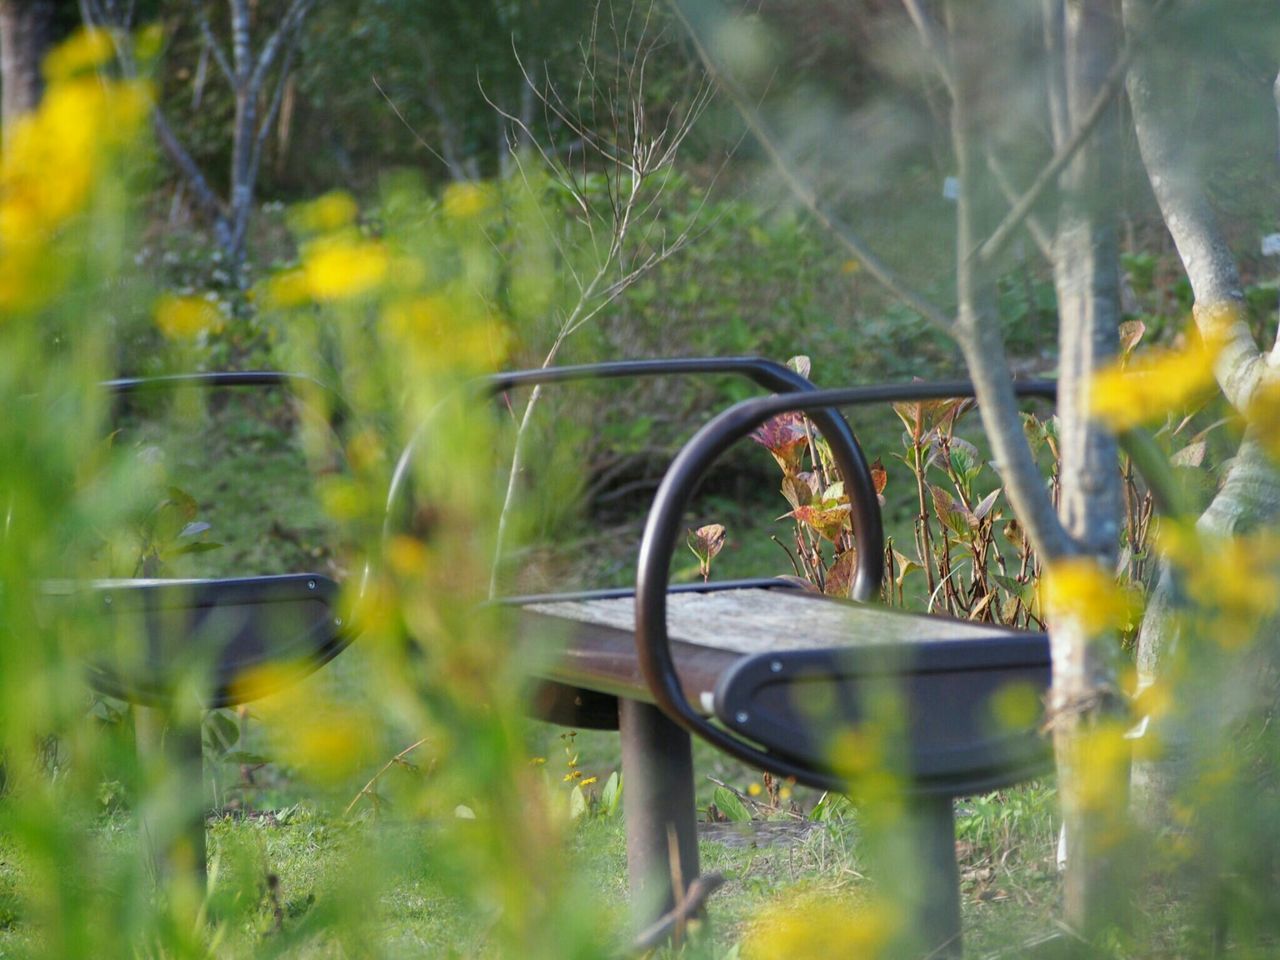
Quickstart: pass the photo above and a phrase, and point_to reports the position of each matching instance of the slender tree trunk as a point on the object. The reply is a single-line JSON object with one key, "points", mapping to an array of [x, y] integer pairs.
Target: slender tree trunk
{"points": [[1087, 279], [26, 29]]}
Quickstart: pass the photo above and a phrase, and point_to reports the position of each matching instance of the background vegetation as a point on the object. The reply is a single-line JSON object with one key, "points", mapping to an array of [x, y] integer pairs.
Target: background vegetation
{"points": [[395, 199]]}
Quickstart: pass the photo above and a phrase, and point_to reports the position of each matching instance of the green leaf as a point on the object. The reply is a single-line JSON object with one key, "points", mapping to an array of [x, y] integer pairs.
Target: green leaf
{"points": [[222, 731], [731, 805], [246, 757], [611, 795], [204, 546], [577, 803], [185, 503]]}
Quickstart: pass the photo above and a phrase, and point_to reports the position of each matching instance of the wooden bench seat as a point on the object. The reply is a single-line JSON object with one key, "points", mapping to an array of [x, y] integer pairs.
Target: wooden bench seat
{"points": [[793, 670]]}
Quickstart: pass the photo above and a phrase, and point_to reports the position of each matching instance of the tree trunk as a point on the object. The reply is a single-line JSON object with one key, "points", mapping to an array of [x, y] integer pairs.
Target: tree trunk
{"points": [[1250, 494], [26, 29], [1087, 279]]}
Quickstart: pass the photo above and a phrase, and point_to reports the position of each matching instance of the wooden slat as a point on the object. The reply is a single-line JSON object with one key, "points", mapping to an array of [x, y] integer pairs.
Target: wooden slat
{"points": [[756, 621], [603, 658]]}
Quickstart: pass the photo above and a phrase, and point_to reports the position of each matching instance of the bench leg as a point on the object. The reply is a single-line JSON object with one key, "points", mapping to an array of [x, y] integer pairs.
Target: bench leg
{"points": [[173, 833], [933, 830], [657, 770]]}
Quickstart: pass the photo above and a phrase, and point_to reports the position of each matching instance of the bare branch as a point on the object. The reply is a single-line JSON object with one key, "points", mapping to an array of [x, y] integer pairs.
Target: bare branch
{"points": [[211, 42], [1053, 15], [401, 117], [977, 328], [1041, 236], [240, 44], [932, 40], [209, 201], [285, 35], [1111, 86]]}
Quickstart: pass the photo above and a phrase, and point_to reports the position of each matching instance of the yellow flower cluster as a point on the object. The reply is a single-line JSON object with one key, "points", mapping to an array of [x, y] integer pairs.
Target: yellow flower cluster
{"points": [[1263, 414], [336, 267], [819, 925], [327, 742], [326, 214], [1101, 758], [87, 51], [1154, 384], [1079, 588], [54, 160], [1235, 580], [446, 330], [467, 200], [185, 318]]}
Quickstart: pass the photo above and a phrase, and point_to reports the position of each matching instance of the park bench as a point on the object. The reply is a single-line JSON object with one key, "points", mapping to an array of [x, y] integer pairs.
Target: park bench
{"points": [[771, 675], [723, 661]]}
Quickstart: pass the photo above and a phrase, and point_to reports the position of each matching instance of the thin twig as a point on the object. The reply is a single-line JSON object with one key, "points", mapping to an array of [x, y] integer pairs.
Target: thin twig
{"points": [[368, 787], [401, 117], [932, 41]]}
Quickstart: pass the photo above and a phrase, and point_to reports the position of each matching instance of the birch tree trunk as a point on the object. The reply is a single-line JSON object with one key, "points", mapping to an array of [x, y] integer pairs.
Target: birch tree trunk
{"points": [[1250, 494], [26, 28]]}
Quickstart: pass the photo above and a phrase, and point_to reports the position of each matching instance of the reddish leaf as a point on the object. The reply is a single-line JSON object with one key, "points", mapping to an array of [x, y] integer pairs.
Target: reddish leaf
{"points": [[784, 436], [953, 514], [879, 476], [839, 582], [706, 542], [943, 504]]}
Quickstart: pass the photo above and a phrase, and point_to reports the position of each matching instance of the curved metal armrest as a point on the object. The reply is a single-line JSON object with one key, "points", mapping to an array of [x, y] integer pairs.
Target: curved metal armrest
{"points": [[653, 644], [767, 373]]}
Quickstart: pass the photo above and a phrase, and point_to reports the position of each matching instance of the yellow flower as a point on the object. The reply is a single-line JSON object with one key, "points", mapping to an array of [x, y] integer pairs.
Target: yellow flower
{"points": [[1017, 706], [185, 318], [407, 556], [333, 211], [468, 199], [1154, 384], [1102, 763], [1079, 588], [287, 289], [343, 267], [1235, 579], [1263, 414], [53, 160], [85, 50], [446, 332], [262, 681], [850, 267], [328, 745], [817, 925]]}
